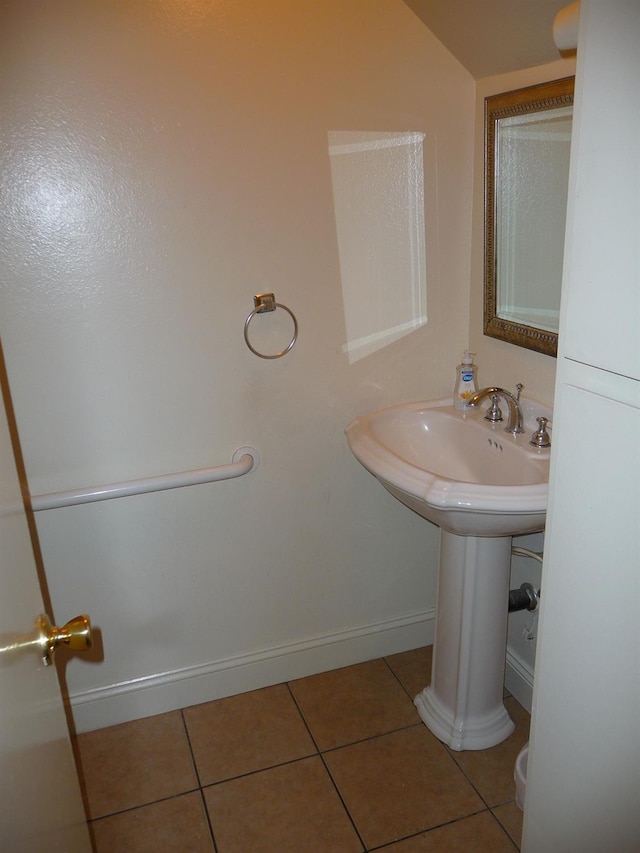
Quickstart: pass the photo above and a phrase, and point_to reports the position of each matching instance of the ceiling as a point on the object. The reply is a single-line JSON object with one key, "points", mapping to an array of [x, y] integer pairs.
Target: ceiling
{"points": [[493, 36]]}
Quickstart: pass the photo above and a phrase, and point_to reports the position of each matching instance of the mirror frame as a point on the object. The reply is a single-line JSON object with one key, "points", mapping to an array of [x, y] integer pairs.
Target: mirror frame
{"points": [[532, 99]]}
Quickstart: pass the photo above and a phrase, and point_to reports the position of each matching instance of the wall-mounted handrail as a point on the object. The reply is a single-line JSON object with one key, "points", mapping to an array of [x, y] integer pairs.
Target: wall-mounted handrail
{"points": [[245, 459]]}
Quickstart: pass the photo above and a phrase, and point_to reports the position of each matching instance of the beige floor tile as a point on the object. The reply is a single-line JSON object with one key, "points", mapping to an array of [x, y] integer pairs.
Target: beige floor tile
{"points": [[135, 763], [491, 770], [270, 793], [510, 816], [400, 784], [353, 703], [245, 733], [293, 808], [171, 826], [479, 833], [412, 669]]}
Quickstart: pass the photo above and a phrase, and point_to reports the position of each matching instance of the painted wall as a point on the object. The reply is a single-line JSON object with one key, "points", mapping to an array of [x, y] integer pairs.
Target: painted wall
{"points": [[503, 364], [162, 163]]}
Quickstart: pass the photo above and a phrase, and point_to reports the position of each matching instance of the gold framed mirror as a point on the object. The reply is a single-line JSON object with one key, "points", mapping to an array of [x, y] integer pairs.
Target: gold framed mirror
{"points": [[527, 143]]}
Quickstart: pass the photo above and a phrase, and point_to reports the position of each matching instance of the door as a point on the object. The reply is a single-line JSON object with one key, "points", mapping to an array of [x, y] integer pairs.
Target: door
{"points": [[40, 802]]}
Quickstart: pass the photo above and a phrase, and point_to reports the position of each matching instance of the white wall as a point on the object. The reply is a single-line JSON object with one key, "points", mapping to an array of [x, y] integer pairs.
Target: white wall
{"points": [[162, 163], [503, 364]]}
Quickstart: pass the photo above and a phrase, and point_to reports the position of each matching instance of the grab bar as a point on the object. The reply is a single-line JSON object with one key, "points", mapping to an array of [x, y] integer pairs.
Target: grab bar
{"points": [[245, 459]]}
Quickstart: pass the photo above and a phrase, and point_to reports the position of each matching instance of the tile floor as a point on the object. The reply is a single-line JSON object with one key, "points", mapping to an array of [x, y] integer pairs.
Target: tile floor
{"points": [[334, 763]]}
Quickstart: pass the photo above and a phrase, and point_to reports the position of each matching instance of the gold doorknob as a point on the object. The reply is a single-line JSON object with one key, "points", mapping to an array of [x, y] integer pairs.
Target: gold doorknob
{"points": [[76, 634]]}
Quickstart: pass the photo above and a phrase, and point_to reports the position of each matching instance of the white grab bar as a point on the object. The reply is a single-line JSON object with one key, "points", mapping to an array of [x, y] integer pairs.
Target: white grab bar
{"points": [[245, 459]]}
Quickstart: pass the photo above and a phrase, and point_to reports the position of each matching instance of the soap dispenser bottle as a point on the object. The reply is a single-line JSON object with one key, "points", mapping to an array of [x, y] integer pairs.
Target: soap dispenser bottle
{"points": [[465, 384]]}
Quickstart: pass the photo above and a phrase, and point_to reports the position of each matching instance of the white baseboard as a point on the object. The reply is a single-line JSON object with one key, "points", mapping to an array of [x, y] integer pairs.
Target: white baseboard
{"points": [[168, 691], [518, 679]]}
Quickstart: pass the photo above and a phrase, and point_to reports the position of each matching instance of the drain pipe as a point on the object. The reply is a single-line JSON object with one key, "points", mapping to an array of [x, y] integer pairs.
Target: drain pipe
{"points": [[525, 598]]}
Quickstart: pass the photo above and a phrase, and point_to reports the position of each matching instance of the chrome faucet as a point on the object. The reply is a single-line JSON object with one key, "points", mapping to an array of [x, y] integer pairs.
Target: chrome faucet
{"points": [[514, 425]]}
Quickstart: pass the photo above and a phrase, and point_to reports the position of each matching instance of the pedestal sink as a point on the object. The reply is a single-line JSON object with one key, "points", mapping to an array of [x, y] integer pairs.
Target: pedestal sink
{"points": [[481, 486]]}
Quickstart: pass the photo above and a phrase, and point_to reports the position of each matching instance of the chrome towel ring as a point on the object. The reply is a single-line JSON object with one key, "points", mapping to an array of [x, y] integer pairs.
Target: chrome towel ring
{"points": [[266, 302]]}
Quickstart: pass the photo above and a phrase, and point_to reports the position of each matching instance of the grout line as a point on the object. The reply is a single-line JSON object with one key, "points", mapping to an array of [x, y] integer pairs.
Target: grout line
{"points": [[344, 805], [260, 770], [199, 780], [371, 737], [302, 716], [209, 823], [328, 772], [451, 755], [504, 829], [388, 844], [397, 678], [145, 805], [191, 752]]}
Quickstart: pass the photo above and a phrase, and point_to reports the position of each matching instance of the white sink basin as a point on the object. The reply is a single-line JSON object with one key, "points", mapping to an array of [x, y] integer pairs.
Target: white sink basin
{"points": [[456, 469]]}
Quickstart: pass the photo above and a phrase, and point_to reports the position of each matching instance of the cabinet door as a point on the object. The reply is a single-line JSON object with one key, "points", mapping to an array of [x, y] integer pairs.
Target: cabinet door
{"points": [[602, 254], [583, 781]]}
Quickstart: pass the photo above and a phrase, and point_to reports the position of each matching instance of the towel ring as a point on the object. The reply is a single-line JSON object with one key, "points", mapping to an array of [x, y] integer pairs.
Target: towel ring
{"points": [[266, 302]]}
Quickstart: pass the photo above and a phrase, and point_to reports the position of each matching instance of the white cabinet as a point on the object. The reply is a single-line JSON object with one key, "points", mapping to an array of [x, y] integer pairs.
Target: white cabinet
{"points": [[583, 779], [601, 287], [583, 789]]}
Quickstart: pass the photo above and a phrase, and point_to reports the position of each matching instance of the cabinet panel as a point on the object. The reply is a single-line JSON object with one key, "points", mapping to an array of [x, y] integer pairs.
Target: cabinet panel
{"points": [[602, 273], [583, 785]]}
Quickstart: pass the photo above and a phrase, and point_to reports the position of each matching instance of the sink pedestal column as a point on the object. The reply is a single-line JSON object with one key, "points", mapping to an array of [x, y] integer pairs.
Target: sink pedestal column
{"points": [[463, 704]]}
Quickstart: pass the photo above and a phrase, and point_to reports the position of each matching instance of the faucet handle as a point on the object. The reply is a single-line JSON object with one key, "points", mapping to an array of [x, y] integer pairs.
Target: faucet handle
{"points": [[493, 413], [519, 388], [540, 437]]}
